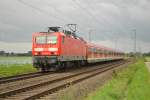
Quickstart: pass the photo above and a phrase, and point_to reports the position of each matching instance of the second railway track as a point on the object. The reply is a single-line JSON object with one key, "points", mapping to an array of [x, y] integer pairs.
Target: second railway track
{"points": [[50, 86], [21, 77]]}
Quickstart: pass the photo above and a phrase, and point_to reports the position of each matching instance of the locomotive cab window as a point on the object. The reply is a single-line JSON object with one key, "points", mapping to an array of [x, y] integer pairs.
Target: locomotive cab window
{"points": [[52, 39], [40, 39], [46, 39]]}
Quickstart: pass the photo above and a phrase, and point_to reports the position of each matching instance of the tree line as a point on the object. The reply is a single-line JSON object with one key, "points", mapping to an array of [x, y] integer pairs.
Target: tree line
{"points": [[4, 53]]}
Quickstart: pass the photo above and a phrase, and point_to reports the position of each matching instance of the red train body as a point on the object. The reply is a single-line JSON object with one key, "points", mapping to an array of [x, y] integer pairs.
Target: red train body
{"points": [[97, 53], [56, 50]]}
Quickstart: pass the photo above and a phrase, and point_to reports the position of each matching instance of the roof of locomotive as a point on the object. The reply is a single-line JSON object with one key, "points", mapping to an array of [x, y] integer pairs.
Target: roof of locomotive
{"points": [[48, 33], [58, 34]]}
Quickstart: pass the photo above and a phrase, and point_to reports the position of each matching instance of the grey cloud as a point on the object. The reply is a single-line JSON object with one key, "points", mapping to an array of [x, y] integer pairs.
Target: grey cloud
{"points": [[110, 19]]}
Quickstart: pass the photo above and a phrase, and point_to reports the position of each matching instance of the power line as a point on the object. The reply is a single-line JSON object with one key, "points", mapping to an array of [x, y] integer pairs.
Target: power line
{"points": [[40, 10], [59, 12], [87, 3], [53, 7], [51, 15], [88, 12], [45, 12], [91, 15]]}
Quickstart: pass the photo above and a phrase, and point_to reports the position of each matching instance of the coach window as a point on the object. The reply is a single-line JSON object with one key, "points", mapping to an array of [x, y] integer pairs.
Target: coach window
{"points": [[63, 39], [110, 53]]}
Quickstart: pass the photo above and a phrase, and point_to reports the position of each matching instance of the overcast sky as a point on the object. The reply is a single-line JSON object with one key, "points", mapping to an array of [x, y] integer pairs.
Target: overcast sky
{"points": [[112, 21]]}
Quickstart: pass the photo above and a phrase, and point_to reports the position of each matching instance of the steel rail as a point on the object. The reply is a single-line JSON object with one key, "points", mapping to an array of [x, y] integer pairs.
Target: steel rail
{"points": [[63, 85], [17, 91], [21, 77]]}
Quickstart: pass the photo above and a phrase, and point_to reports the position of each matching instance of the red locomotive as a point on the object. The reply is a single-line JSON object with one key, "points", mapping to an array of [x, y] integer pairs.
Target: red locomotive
{"points": [[56, 49]]}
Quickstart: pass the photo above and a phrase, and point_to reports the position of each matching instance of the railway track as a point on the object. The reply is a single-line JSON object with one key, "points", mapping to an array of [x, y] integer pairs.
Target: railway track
{"points": [[50, 86], [21, 77], [4, 80]]}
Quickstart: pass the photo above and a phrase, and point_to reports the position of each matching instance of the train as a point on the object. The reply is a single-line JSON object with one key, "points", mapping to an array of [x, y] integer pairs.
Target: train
{"points": [[59, 49]]}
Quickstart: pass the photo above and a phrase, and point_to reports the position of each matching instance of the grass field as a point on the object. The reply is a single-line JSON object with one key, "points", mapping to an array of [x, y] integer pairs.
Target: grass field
{"points": [[15, 60], [133, 83], [147, 59], [15, 69], [10, 66]]}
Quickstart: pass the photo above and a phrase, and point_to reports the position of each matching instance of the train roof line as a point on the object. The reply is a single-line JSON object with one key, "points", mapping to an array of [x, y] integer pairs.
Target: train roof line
{"points": [[102, 47]]}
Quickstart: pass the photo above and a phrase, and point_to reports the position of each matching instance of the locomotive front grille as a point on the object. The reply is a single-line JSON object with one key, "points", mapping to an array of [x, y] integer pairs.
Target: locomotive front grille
{"points": [[44, 60]]}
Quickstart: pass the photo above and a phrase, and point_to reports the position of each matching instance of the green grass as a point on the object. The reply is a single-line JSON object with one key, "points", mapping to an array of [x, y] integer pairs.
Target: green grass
{"points": [[147, 59], [15, 69], [133, 83]]}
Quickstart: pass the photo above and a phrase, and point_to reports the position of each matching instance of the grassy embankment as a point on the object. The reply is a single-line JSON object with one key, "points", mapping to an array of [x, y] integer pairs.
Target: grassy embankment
{"points": [[133, 83], [15, 69]]}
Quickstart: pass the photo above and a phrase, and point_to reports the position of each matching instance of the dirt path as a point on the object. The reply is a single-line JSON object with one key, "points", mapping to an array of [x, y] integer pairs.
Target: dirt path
{"points": [[148, 65]]}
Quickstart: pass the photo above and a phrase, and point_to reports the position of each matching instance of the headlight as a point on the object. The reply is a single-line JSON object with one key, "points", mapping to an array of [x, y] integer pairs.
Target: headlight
{"points": [[38, 49], [53, 49]]}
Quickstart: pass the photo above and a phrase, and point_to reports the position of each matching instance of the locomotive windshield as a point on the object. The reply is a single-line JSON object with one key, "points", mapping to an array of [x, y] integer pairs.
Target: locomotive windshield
{"points": [[52, 39], [41, 39], [46, 39]]}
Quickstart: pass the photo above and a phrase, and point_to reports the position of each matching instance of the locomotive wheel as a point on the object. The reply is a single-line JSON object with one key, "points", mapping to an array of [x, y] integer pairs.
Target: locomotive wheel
{"points": [[56, 67], [78, 64], [83, 63], [68, 64], [43, 69], [62, 66]]}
